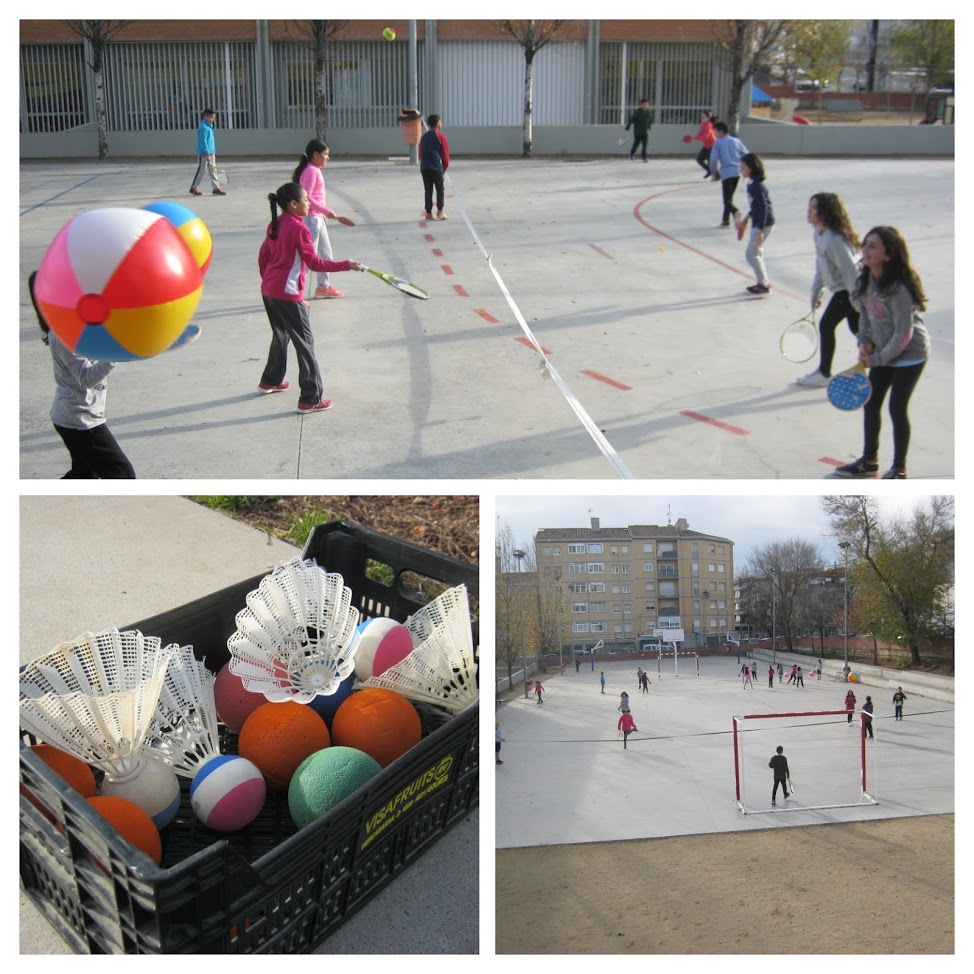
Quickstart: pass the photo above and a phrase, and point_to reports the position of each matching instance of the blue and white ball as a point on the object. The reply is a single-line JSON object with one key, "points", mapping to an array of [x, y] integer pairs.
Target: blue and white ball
{"points": [[384, 643], [227, 793]]}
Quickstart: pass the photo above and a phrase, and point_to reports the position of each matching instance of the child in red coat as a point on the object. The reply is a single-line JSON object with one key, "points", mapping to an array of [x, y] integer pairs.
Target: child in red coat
{"points": [[627, 725]]}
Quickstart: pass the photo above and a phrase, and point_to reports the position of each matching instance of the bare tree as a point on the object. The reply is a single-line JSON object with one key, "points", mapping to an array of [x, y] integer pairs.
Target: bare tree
{"points": [[99, 34], [316, 34], [532, 35], [903, 564], [873, 34], [748, 43]]}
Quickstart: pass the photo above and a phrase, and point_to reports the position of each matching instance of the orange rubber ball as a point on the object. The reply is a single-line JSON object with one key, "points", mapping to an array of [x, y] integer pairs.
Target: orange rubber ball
{"points": [[73, 770], [133, 823], [382, 723], [277, 737]]}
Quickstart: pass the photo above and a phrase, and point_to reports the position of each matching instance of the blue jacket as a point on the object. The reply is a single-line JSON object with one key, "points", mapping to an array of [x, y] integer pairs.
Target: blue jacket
{"points": [[762, 215], [726, 154], [205, 142]]}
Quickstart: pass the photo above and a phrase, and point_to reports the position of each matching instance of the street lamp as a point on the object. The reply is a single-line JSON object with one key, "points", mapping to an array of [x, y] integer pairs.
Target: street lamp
{"points": [[518, 553], [561, 660], [774, 631], [845, 545]]}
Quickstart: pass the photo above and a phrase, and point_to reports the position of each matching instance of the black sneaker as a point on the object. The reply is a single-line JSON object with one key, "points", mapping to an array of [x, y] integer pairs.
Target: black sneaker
{"points": [[759, 289], [894, 473], [859, 468]]}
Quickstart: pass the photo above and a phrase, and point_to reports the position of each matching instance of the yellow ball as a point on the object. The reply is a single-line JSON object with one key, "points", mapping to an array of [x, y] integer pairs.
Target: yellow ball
{"points": [[389, 34]]}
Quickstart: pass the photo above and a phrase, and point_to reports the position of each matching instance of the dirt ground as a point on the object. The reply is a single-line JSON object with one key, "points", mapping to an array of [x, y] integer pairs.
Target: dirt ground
{"points": [[883, 887]]}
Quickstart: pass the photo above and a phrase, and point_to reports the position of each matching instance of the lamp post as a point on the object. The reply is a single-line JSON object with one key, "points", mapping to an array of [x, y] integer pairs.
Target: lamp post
{"points": [[518, 553], [845, 545], [561, 660], [774, 618]]}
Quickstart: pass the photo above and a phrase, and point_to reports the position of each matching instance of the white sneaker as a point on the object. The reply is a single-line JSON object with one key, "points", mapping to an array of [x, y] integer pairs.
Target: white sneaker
{"points": [[814, 379]]}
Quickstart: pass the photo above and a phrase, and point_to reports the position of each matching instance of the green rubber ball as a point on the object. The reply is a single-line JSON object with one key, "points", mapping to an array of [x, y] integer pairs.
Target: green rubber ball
{"points": [[326, 778]]}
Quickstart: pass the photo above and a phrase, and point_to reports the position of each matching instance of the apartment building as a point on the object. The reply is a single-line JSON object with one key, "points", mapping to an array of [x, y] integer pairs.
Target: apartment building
{"points": [[625, 585]]}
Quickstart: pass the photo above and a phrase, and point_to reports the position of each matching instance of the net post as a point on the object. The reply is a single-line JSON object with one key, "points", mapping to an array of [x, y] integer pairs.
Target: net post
{"points": [[862, 749], [737, 761]]}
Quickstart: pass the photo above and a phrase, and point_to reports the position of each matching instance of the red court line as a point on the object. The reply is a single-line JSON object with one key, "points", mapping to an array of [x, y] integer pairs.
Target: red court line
{"points": [[529, 344], [487, 316], [606, 380], [599, 250], [714, 422], [459, 289], [437, 252], [447, 269], [830, 461], [428, 237]]}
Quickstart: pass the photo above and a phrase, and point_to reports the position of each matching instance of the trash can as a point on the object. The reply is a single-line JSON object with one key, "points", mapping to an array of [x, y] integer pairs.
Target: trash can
{"points": [[411, 121]]}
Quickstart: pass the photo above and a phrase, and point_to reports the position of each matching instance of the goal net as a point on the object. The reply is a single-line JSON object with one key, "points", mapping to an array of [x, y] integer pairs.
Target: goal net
{"points": [[828, 760]]}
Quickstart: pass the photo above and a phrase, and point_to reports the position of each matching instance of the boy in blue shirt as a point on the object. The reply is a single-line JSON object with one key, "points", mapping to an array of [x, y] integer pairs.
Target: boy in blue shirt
{"points": [[206, 154], [725, 164]]}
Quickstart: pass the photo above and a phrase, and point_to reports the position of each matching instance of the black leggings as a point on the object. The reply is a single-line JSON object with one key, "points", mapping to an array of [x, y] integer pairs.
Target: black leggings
{"points": [[839, 307], [727, 187], [899, 383], [703, 159], [95, 454]]}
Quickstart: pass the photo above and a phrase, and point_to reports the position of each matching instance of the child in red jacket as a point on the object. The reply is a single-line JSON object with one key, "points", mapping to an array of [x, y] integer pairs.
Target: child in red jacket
{"points": [[627, 725], [285, 253]]}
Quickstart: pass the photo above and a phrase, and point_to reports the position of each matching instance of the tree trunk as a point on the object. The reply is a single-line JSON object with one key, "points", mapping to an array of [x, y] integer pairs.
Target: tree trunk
{"points": [[873, 48], [321, 87], [528, 138], [100, 118]]}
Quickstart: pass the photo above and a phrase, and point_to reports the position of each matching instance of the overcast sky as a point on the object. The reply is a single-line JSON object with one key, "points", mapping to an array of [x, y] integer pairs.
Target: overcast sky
{"points": [[748, 521]]}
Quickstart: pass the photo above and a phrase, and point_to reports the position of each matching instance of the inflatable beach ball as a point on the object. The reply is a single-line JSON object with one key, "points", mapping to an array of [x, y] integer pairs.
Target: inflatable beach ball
{"points": [[118, 284], [190, 227]]}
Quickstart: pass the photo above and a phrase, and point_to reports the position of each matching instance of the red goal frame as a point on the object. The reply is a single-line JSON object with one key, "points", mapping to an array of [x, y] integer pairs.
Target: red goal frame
{"points": [[738, 729]]}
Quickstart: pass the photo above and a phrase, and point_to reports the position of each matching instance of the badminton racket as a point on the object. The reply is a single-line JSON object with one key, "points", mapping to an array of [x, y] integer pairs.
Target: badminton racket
{"points": [[688, 139], [799, 341], [791, 786], [218, 173], [345, 221], [850, 390], [742, 226], [397, 282]]}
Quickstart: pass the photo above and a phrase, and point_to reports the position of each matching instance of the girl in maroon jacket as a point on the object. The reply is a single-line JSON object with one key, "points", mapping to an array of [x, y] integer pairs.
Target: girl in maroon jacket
{"points": [[284, 255], [627, 725]]}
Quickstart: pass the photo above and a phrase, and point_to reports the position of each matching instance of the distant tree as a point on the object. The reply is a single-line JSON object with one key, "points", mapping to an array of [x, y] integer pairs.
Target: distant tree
{"points": [[873, 35], [748, 43], [820, 609], [532, 35], [315, 34], [99, 34], [903, 565], [819, 48], [927, 45], [789, 567], [515, 609]]}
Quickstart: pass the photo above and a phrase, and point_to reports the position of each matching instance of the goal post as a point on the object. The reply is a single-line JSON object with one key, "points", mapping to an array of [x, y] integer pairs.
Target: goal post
{"points": [[663, 652], [828, 762]]}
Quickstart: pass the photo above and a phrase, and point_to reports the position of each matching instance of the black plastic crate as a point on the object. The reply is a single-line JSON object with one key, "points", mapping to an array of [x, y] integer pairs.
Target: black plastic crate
{"points": [[269, 888]]}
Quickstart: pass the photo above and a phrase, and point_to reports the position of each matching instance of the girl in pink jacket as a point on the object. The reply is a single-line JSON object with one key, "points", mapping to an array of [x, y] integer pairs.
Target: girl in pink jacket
{"points": [[627, 725], [286, 250], [309, 175]]}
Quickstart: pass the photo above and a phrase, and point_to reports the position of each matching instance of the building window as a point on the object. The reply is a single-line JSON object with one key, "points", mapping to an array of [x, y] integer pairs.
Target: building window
{"points": [[667, 588], [648, 548], [711, 549], [617, 627], [625, 569], [616, 589], [594, 548], [598, 606], [648, 567], [624, 549], [576, 568], [695, 569], [617, 608], [627, 589], [596, 586], [579, 627], [627, 608], [720, 549], [711, 567], [650, 586], [600, 627], [556, 551], [650, 606], [627, 627], [596, 567], [579, 606]]}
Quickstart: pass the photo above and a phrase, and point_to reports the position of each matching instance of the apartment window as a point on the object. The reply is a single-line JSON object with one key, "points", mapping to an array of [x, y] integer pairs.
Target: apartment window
{"points": [[711, 549], [650, 586], [695, 569], [712, 586], [721, 569], [579, 606], [556, 551], [600, 627], [617, 627], [694, 550], [648, 567], [625, 569], [711, 567], [624, 549], [599, 606], [595, 548], [650, 623], [713, 604], [696, 607], [616, 589], [596, 586], [648, 548], [576, 549], [650, 606], [579, 627], [721, 604], [615, 570], [627, 608], [721, 586], [577, 588], [596, 567], [614, 549], [627, 589], [713, 623], [667, 589], [720, 549], [617, 608], [627, 627], [576, 568]]}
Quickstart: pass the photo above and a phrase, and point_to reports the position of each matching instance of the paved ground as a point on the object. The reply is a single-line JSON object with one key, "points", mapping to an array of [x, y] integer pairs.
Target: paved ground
{"points": [[619, 270], [91, 562], [567, 779]]}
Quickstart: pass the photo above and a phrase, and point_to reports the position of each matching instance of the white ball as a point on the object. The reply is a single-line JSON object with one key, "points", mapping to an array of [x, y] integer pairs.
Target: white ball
{"points": [[227, 793], [155, 789], [384, 643]]}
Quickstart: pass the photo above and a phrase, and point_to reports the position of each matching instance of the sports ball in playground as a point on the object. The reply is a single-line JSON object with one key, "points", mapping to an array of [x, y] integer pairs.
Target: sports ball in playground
{"points": [[277, 737], [234, 702], [132, 823], [389, 34], [326, 705], [382, 723], [190, 227], [384, 643], [326, 778], [118, 284], [227, 793]]}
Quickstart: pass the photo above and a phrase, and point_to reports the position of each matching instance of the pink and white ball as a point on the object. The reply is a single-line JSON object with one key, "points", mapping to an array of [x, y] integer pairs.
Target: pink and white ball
{"points": [[383, 644], [227, 793]]}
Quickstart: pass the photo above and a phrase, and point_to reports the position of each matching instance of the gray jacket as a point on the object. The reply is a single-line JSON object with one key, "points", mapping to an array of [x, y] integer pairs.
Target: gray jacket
{"points": [[893, 324], [836, 265], [81, 388]]}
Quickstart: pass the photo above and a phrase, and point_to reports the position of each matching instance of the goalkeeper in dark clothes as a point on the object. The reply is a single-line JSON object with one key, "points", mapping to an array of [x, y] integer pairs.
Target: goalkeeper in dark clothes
{"points": [[779, 764]]}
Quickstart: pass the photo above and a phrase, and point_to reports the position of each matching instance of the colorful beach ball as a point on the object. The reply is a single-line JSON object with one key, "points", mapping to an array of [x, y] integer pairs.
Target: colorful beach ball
{"points": [[118, 284], [190, 227]]}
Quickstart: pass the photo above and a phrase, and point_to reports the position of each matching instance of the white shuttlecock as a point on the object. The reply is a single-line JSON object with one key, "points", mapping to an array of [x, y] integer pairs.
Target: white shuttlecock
{"points": [[185, 728], [442, 668], [297, 637], [95, 697]]}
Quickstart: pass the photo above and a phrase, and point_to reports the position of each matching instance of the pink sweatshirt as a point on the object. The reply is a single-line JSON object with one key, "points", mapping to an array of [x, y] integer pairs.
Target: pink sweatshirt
{"points": [[282, 262], [314, 182]]}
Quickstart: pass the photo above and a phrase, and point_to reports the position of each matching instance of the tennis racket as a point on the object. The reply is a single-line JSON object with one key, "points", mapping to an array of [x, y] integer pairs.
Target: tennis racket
{"points": [[799, 341], [345, 221], [850, 390], [623, 139], [219, 174], [791, 786], [397, 282], [688, 139]]}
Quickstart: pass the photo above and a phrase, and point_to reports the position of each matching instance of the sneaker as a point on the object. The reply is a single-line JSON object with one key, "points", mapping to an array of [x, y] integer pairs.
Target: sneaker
{"points": [[328, 292], [859, 468], [196, 192], [315, 407], [280, 387], [894, 473], [440, 215], [774, 802], [500, 762], [814, 380], [427, 216], [725, 224], [219, 192], [759, 289]]}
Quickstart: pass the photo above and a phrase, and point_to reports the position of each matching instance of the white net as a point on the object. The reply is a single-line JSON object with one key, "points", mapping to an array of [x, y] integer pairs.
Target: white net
{"points": [[297, 637], [442, 668]]}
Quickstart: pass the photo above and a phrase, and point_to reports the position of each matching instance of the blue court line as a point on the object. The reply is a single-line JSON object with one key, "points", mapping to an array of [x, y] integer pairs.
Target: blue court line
{"points": [[51, 199]]}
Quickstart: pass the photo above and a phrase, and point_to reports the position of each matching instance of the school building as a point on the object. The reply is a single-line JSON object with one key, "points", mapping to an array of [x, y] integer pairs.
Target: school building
{"points": [[617, 584]]}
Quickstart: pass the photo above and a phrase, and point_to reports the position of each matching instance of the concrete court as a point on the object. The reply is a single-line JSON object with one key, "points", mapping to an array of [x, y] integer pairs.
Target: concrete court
{"points": [[566, 778], [620, 270], [150, 554]]}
